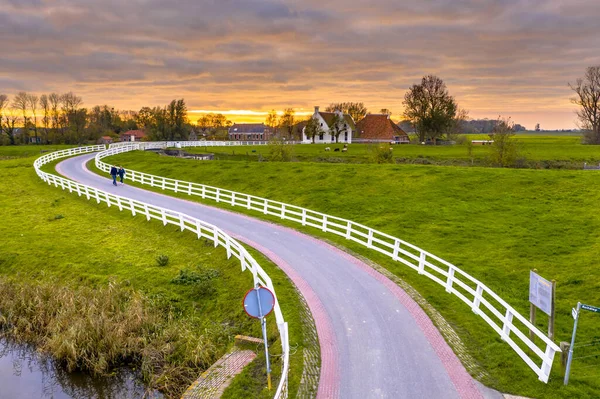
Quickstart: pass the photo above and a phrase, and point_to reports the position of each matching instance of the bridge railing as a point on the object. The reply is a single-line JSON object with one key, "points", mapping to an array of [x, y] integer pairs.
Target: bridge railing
{"points": [[497, 313], [184, 222]]}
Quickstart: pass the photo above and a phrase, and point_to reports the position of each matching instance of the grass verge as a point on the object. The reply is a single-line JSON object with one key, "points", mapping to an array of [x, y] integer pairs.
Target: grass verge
{"points": [[496, 224], [53, 240]]}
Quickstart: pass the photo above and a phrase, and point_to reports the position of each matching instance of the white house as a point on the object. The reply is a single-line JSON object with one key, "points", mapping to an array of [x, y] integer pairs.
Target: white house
{"points": [[326, 121]]}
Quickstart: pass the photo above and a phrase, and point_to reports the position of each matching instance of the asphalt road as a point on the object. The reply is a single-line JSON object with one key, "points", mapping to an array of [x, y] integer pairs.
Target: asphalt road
{"points": [[374, 342]]}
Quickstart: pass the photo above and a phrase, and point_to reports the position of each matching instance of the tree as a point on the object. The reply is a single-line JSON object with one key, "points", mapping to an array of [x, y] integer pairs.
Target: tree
{"points": [[430, 108], [10, 121], [313, 129], [337, 126], [503, 151], [587, 90], [272, 122], [288, 121], [356, 110], [385, 111], [3, 105], [45, 105], [32, 102], [537, 127], [55, 101], [20, 103]]}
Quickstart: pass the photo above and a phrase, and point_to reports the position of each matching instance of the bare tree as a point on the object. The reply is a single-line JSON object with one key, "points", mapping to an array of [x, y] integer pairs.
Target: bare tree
{"points": [[313, 129], [587, 90], [45, 105], [356, 110], [10, 124], [3, 105], [385, 111], [337, 126], [288, 121], [272, 122], [32, 102], [504, 150], [20, 102]]}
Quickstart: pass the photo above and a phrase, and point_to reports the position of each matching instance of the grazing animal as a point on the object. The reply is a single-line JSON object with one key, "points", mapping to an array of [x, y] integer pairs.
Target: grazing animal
{"points": [[327, 149], [336, 149], [345, 149]]}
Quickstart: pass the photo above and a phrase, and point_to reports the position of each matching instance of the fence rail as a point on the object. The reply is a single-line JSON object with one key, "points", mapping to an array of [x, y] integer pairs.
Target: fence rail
{"points": [[184, 222], [496, 312]]}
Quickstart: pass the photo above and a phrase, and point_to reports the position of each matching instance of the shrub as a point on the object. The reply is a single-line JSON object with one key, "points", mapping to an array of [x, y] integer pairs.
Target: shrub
{"points": [[280, 150], [382, 154], [202, 281], [162, 260]]}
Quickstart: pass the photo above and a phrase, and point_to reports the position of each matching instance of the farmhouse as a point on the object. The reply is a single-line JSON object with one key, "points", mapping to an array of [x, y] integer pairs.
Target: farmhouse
{"points": [[249, 132], [105, 140], [327, 121], [375, 128], [132, 135]]}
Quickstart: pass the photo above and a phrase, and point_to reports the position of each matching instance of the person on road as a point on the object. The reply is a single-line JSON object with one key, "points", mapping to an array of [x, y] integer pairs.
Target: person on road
{"points": [[113, 173], [121, 173]]}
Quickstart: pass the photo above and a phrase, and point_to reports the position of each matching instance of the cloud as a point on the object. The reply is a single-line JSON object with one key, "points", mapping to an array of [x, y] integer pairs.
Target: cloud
{"points": [[497, 56]]}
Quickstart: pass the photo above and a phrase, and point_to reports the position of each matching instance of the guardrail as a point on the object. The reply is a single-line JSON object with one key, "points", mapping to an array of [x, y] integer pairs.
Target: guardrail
{"points": [[496, 312], [185, 222]]}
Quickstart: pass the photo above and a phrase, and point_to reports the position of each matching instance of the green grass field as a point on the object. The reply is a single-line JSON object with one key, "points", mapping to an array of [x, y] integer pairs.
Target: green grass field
{"points": [[536, 151], [52, 235], [496, 224]]}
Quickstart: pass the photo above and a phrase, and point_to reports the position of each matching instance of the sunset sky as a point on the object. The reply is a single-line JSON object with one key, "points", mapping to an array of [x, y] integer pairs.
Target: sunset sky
{"points": [[510, 58]]}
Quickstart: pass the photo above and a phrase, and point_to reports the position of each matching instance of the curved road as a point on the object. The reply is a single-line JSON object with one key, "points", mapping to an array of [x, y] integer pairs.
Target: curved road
{"points": [[375, 341]]}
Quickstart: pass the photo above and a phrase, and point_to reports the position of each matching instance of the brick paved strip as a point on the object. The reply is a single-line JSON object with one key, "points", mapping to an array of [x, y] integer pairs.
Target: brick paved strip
{"points": [[212, 383]]}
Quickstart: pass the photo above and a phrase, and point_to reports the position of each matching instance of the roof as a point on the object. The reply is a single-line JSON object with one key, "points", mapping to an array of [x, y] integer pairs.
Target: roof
{"points": [[107, 137], [328, 118], [378, 127], [247, 128], [136, 133]]}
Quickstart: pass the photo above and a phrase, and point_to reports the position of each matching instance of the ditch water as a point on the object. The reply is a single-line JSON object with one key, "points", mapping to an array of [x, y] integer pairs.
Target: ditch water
{"points": [[27, 374]]}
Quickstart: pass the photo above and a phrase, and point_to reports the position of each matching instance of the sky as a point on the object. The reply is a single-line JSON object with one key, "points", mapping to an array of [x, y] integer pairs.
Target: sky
{"points": [[513, 58]]}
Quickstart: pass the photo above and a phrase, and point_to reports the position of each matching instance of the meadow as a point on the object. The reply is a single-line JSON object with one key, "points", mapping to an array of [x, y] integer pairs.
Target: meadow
{"points": [[535, 151], [59, 249], [496, 224]]}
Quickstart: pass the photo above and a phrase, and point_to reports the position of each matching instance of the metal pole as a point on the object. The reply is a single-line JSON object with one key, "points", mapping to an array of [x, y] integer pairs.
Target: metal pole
{"points": [[570, 359], [263, 322], [552, 312]]}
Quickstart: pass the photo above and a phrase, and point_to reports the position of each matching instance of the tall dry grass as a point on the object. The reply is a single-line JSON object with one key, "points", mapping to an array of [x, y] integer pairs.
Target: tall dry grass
{"points": [[97, 330]]}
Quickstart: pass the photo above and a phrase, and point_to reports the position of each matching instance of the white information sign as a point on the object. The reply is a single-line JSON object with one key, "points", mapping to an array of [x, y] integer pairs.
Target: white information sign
{"points": [[540, 293]]}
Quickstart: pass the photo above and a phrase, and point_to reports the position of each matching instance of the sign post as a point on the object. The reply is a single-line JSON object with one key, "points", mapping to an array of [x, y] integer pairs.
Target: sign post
{"points": [[258, 303], [576, 313], [542, 295]]}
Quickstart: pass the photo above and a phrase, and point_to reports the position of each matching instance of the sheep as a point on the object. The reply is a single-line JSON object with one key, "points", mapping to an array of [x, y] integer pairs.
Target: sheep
{"points": [[327, 149], [336, 150], [345, 149]]}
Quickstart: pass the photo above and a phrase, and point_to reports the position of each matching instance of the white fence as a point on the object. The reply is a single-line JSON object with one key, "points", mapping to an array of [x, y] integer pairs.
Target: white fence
{"points": [[503, 318], [185, 222]]}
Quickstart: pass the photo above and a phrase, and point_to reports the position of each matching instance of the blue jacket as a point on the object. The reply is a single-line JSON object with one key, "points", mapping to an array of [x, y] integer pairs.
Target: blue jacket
{"points": [[121, 172], [113, 171]]}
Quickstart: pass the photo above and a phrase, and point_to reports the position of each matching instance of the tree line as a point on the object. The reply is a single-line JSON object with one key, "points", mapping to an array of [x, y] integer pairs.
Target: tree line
{"points": [[61, 119]]}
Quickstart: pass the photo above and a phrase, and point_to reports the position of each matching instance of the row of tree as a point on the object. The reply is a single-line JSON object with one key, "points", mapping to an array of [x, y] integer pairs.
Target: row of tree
{"points": [[61, 118]]}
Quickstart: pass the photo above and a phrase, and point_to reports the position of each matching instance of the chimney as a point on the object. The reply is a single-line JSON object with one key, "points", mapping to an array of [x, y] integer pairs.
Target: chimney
{"points": [[316, 109]]}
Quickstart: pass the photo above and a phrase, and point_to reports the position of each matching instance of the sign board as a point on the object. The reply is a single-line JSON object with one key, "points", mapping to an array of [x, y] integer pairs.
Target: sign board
{"points": [[259, 302], [540, 293], [574, 313], [590, 308]]}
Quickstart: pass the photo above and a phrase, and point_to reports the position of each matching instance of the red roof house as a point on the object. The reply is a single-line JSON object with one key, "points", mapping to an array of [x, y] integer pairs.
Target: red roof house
{"points": [[132, 135], [379, 128]]}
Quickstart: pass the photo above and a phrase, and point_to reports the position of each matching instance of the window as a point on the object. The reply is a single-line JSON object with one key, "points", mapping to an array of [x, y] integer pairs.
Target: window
{"points": [[321, 135], [345, 136]]}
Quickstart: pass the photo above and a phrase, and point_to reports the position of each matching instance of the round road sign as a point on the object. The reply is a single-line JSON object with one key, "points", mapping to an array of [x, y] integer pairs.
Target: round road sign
{"points": [[259, 302]]}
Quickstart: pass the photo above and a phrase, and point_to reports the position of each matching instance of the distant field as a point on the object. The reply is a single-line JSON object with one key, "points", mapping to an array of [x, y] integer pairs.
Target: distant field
{"points": [[19, 151], [496, 224], [50, 235], [537, 151]]}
